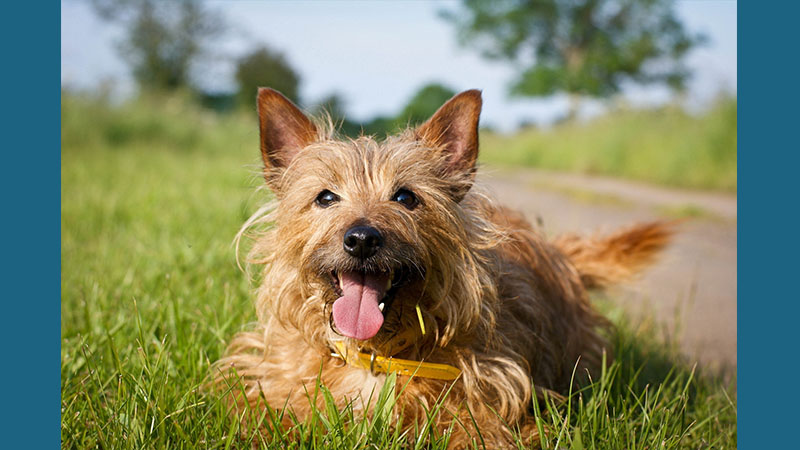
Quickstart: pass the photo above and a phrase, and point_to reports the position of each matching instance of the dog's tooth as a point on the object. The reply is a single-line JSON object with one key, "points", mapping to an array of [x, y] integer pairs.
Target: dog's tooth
{"points": [[381, 306]]}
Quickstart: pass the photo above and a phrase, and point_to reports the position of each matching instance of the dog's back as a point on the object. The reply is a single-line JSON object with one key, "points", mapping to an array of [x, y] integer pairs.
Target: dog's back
{"points": [[534, 270]]}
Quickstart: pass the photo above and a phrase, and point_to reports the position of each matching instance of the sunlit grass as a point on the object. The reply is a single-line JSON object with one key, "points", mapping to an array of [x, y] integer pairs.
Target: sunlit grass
{"points": [[663, 146], [151, 294]]}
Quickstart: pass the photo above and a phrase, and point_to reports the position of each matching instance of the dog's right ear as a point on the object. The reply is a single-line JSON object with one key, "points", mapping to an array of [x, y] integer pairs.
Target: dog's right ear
{"points": [[453, 128], [285, 130]]}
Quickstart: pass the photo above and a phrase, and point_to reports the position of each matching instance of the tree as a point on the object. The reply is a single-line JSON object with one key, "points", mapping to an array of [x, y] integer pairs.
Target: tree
{"points": [[163, 39], [268, 68], [581, 47], [419, 108], [334, 106], [425, 102]]}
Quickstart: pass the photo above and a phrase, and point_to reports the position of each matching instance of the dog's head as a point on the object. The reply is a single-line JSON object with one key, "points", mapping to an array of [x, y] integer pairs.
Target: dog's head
{"points": [[372, 234]]}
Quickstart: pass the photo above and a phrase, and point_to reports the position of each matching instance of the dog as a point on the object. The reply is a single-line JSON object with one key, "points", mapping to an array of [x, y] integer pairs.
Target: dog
{"points": [[385, 257]]}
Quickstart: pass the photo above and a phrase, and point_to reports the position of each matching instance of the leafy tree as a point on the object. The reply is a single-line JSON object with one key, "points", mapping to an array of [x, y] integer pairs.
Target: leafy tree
{"points": [[581, 47], [334, 105], [419, 108], [265, 67], [163, 39], [425, 102], [381, 126]]}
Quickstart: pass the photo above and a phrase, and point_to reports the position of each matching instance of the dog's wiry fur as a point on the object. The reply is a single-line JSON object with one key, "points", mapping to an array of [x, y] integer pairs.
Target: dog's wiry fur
{"points": [[500, 302]]}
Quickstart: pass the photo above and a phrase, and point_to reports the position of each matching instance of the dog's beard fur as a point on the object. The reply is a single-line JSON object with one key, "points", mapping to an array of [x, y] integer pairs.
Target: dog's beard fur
{"points": [[498, 301]]}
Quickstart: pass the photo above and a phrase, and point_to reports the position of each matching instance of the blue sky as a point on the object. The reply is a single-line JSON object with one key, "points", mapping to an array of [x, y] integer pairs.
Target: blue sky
{"points": [[377, 54]]}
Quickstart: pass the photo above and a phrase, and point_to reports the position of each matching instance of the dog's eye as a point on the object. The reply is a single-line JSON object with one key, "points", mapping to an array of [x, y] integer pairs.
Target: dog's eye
{"points": [[326, 198], [406, 198]]}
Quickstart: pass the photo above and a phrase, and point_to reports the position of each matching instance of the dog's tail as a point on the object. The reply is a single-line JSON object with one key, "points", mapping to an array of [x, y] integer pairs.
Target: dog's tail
{"points": [[605, 260]]}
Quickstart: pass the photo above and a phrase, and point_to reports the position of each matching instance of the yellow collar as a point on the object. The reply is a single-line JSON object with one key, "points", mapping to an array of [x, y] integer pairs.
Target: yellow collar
{"points": [[406, 367]]}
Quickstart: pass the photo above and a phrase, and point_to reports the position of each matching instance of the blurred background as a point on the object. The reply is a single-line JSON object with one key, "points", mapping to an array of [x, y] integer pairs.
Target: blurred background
{"points": [[596, 113], [370, 59]]}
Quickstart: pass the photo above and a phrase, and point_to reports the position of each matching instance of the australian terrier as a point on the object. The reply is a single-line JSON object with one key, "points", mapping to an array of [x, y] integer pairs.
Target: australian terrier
{"points": [[381, 256]]}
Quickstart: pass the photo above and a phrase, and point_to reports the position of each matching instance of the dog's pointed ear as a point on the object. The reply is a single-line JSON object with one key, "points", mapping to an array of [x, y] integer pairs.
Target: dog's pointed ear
{"points": [[454, 129], [285, 130]]}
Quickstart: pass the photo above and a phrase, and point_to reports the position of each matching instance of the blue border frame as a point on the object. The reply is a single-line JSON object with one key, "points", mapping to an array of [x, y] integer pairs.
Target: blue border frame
{"points": [[768, 328], [31, 182], [767, 249]]}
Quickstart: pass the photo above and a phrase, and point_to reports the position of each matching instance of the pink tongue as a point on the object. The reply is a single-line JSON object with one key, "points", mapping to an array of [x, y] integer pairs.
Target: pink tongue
{"points": [[356, 313]]}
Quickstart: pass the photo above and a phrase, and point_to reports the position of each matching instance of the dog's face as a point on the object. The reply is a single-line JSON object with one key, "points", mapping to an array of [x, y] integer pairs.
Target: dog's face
{"points": [[371, 229]]}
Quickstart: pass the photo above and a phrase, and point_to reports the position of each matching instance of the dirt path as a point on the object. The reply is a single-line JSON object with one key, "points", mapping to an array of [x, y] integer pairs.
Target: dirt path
{"points": [[691, 291]]}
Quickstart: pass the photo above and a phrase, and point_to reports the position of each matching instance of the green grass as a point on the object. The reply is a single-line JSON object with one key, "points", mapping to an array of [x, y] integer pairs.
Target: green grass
{"points": [[663, 146], [152, 195]]}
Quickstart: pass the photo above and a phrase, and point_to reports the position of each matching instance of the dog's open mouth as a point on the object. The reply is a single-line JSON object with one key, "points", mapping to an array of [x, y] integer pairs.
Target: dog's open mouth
{"points": [[364, 300]]}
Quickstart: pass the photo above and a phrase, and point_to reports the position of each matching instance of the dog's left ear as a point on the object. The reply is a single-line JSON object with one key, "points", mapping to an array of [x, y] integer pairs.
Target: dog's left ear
{"points": [[454, 129]]}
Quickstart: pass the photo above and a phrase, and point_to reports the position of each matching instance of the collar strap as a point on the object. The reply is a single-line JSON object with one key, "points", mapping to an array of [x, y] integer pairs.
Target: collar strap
{"points": [[384, 364]]}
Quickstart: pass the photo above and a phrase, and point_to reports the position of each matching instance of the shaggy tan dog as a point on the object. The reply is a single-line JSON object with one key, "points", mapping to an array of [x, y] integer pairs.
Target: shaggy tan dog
{"points": [[382, 256]]}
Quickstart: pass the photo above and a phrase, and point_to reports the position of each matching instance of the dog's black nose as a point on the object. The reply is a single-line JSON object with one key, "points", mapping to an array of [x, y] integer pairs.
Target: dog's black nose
{"points": [[362, 242]]}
